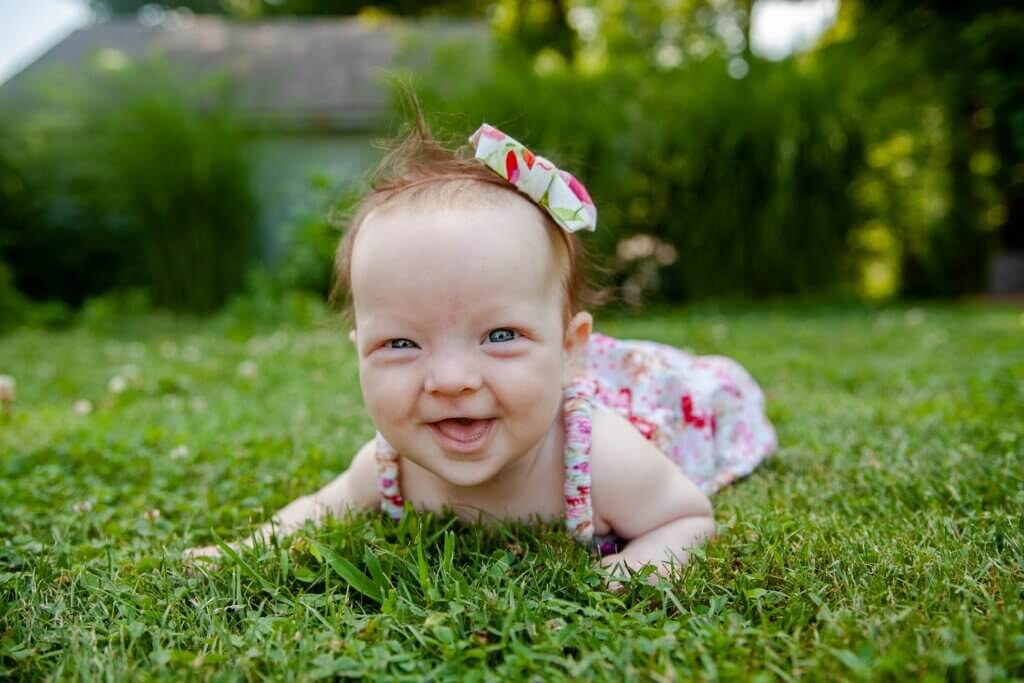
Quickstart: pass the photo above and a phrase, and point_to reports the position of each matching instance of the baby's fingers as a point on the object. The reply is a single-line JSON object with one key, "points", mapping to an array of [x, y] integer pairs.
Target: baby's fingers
{"points": [[210, 553], [620, 568], [614, 570]]}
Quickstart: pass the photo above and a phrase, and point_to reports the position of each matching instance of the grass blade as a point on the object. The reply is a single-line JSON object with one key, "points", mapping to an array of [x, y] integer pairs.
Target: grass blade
{"points": [[421, 563], [349, 572], [449, 551], [247, 568], [373, 564]]}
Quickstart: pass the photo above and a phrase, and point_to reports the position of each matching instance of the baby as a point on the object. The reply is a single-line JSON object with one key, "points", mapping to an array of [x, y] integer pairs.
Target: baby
{"points": [[492, 397]]}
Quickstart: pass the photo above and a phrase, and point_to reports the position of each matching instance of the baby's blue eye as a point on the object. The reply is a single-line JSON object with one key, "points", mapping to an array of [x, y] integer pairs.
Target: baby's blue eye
{"points": [[402, 344], [502, 334]]}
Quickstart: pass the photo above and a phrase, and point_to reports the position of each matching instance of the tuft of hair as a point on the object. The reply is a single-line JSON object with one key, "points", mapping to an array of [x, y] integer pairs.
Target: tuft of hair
{"points": [[418, 168]]}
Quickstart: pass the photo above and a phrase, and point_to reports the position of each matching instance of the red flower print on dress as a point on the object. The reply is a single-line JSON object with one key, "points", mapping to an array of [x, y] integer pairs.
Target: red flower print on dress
{"points": [[691, 417], [623, 402], [646, 428]]}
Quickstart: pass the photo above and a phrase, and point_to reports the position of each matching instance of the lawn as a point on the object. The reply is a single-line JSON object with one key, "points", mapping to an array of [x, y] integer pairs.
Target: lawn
{"points": [[884, 540]]}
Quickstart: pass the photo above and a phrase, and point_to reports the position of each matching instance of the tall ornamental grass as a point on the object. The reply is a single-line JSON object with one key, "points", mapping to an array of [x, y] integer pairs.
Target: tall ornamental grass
{"points": [[745, 180], [152, 165]]}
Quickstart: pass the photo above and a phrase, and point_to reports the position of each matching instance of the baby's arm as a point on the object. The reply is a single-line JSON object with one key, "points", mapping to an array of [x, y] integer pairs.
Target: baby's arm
{"points": [[353, 489], [644, 496]]}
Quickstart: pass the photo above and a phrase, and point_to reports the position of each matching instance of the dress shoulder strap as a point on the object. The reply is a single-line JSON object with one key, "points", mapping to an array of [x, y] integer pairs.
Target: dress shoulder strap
{"points": [[389, 480], [578, 410]]}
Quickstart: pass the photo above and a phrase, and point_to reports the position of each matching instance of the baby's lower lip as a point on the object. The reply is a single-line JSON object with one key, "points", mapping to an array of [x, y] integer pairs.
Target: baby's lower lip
{"points": [[461, 435]]}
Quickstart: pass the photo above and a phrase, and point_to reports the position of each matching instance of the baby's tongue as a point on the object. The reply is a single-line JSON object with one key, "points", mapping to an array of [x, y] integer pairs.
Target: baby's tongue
{"points": [[463, 429]]}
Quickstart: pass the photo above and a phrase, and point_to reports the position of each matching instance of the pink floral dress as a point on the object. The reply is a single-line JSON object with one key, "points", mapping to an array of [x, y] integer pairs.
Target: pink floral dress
{"points": [[704, 412]]}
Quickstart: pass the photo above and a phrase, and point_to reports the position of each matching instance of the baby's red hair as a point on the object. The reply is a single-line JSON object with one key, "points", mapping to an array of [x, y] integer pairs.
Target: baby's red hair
{"points": [[420, 169]]}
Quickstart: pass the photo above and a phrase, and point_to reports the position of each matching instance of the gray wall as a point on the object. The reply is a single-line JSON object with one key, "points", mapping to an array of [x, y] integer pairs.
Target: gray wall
{"points": [[285, 169]]}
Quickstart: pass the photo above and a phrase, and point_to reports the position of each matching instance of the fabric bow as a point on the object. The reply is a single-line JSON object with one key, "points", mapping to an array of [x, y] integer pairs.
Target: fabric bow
{"points": [[557, 191]]}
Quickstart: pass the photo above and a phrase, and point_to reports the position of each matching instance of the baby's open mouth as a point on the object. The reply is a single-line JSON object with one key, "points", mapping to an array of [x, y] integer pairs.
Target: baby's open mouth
{"points": [[465, 430]]}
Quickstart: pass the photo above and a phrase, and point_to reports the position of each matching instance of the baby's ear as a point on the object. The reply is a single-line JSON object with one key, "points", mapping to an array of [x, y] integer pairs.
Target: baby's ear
{"points": [[577, 334]]}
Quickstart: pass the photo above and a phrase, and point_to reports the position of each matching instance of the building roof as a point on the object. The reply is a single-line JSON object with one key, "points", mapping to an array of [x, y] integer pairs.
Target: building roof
{"points": [[322, 73]]}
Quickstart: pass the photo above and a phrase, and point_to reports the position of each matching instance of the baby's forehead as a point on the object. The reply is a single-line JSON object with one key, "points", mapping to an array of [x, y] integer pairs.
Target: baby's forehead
{"points": [[491, 228], [454, 249], [459, 194]]}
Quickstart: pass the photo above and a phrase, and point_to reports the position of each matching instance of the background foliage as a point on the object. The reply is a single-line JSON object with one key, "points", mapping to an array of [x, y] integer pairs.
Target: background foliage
{"points": [[129, 178], [752, 197], [888, 160]]}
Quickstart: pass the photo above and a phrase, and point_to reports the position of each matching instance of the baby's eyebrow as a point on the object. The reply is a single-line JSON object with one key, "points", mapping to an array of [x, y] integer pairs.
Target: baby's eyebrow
{"points": [[388, 318]]}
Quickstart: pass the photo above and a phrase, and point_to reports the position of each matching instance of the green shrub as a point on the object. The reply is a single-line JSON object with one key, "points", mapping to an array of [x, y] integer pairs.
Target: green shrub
{"points": [[267, 303], [746, 180], [308, 259], [56, 236], [132, 176], [16, 310], [101, 314], [12, 303]]}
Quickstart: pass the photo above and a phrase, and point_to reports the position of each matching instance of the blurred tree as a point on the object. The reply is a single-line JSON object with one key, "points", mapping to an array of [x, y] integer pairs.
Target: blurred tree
{"points": [[966, 61], [560, 26], [130, 177], [931, 91], [253, 9], [54, 233]]}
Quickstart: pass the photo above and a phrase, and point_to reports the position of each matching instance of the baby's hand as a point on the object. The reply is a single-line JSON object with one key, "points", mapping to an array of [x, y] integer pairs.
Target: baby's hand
{"points": [[619, 566], [211, 551]]}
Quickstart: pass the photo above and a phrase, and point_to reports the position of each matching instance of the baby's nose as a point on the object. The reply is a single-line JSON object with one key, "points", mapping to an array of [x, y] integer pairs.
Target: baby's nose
{"points": [[452, 374]]}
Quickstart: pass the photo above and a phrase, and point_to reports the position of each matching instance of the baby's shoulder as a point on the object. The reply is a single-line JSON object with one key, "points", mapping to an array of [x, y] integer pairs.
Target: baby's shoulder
{"points": [[634, 486], [619, 455]]}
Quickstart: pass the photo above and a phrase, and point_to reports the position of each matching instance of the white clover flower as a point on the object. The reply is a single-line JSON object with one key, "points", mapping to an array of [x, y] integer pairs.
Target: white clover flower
{"points": [[178, 452], [82, 407], [248, 369], [152, 515], [915, 316], [173, 402], [117, 384], [82, 506]]}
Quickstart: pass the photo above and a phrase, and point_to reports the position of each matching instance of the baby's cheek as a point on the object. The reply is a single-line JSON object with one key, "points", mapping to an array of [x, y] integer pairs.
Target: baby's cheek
{"points": [[382, 395], [537, 391]]}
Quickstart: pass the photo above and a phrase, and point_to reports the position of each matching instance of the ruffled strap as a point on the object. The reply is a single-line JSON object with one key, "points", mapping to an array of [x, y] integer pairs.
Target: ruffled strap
{"points": [[578, 413], [391, 501]]}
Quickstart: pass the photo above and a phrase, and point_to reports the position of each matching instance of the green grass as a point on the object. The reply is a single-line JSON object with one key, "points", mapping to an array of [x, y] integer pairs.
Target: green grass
{"points": [[884, 540]]}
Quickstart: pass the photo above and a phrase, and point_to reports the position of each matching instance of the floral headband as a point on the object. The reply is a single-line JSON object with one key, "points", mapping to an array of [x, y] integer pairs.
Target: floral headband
{"points": [[557, 191]]}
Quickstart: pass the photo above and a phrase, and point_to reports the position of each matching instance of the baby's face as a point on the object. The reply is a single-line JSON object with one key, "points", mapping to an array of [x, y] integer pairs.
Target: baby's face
{"points": [[463, 350]]}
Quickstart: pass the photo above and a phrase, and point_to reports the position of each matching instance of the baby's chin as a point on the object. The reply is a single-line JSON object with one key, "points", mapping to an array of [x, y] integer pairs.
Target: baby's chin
{"points": [[467, 473], [461, 470]]}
